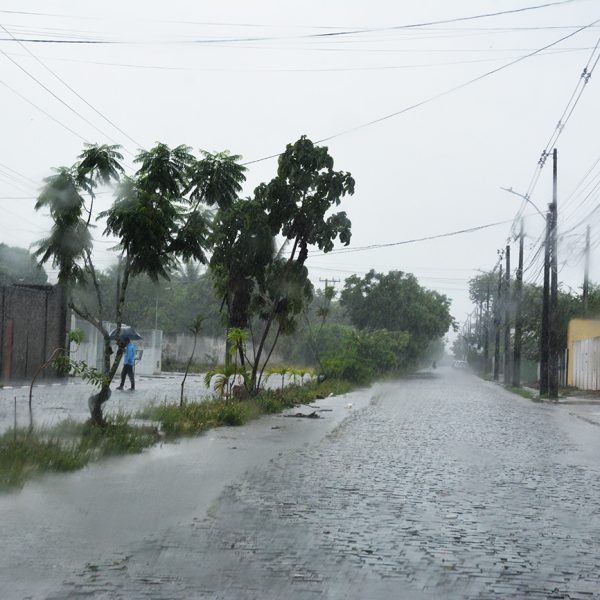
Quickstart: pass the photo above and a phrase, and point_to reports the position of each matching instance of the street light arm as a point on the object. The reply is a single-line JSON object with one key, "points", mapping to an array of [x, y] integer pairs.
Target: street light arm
{"points": [[526, 198]]}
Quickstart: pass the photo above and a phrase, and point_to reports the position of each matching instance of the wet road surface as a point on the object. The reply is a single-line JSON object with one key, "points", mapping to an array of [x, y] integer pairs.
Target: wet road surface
{"points": [[443, 487]]}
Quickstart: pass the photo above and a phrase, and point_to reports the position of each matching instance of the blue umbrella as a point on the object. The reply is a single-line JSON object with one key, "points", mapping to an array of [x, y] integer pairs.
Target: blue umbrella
{"points": [[126, 332]]}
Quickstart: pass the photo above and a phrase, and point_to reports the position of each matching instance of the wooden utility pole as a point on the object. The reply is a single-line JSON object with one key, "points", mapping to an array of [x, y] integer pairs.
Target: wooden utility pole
{"points": [[497, 319], [586, 274], [507, 360], [545, 312], [516, 371], [327, 281], [553, 330]]}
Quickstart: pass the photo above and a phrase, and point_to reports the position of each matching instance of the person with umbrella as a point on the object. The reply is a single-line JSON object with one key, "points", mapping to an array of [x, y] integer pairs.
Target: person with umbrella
{"points": [[128, 363]]}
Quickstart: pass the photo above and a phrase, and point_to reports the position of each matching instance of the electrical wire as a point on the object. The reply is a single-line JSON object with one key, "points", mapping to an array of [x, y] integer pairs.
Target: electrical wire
{"points": [[329, 34], [66, 104], [438, 95], [295, 70], [19, 174], [44, 112], [67, 86], [410, 241]]}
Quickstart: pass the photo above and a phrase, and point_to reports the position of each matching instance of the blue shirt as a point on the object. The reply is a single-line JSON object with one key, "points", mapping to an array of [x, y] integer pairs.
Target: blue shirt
{"points": [[129, 354]]}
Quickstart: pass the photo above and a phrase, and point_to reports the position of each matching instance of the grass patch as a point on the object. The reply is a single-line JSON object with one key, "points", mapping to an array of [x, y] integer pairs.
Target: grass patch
{"points": [[196, 417], [528, 394], [66, 447]]}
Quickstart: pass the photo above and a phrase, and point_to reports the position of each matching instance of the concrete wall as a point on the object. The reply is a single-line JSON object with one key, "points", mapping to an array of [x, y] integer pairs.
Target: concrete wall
{"points": [[33, 323], [178, 347], [579, 329]]}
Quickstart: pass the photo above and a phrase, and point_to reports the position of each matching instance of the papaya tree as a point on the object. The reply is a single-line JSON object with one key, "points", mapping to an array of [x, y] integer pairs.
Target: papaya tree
{"points": [[265, 288]]}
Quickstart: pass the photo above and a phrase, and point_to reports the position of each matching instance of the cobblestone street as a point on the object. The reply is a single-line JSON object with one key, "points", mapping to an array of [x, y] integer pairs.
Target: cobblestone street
{"points": [[441, 487]]}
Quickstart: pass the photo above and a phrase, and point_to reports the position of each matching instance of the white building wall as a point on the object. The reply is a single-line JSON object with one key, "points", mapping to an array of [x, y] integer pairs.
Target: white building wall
{"points": [[92, 348]]}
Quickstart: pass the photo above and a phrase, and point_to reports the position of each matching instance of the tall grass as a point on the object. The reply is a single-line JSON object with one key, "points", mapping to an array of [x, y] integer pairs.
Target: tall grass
{"points": [[196, 417], [66, 447]]}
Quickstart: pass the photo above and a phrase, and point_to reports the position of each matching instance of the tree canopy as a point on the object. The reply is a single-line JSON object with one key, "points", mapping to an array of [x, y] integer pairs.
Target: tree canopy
{"points": [[396, 302], [18, 265]]}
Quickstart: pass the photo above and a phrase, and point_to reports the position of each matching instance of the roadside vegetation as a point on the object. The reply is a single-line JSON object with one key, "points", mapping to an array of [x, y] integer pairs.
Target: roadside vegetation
{"points": [[70, 446], [235, 269]]}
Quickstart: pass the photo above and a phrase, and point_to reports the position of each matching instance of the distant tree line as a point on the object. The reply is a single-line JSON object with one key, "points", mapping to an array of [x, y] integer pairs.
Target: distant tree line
{"points": [[483, 292]]}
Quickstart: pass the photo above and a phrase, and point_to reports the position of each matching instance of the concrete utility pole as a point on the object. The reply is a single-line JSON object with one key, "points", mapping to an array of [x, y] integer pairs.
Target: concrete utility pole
{"points": [[516, 372], [545, 312], [497, 319], [486, 341], [507, 361], [553, 337], [586, 274]]}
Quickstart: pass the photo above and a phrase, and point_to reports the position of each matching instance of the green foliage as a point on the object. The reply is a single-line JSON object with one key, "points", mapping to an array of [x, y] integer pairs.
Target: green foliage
{"points": [[18, 265], [76, 336], [364, 355], [252, 279], [243, 248], [156, 225], [70, 238], [217, 179], [196, 417], [299, 197], [482, 287], [224, 379], [66, 447], [117, 437], [395, 301], [67, 366]]}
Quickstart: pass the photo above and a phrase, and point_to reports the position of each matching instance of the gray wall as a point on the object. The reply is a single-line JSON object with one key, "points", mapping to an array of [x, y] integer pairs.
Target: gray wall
{"points": [[33, 322]]}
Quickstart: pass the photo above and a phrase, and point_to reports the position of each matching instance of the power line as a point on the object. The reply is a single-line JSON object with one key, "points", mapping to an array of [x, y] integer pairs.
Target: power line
{"points": [[325, 35], [295, 70], [68, 87], [19, 174], [440, 94], [410, 241], [44, 112], [56, 96]]}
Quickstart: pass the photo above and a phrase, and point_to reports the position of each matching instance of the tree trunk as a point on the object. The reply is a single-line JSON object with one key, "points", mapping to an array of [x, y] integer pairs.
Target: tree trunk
{"points": [[187, 368], [95, 402]]}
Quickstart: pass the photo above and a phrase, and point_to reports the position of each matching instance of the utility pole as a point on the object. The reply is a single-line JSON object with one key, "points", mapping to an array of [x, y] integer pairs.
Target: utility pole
{"points": [[586, 274], [486, 341], [327, 280], [545, 313], [516, 372], [507, 360], [480, 327], [553, 337], [497, 319]]}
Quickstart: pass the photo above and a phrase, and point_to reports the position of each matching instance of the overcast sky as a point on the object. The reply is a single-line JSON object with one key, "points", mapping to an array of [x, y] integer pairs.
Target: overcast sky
{"points": [[252, 76]]}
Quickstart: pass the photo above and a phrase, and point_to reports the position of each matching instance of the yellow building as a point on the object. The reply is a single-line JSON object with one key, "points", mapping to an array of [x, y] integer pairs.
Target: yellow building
{"points": [[578, 330]]}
